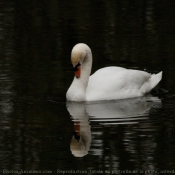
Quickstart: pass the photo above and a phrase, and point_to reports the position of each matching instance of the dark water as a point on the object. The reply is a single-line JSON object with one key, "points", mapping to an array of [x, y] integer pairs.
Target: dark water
{"points": [[39, 130]]}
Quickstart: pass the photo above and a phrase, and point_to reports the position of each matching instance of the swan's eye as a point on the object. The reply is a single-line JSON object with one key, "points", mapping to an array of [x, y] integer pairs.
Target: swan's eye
{"points": [[76, 67]]}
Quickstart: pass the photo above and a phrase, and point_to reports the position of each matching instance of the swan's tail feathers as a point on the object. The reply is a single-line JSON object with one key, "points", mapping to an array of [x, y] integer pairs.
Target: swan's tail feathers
{"points": [[154, 80], [151, 83]]}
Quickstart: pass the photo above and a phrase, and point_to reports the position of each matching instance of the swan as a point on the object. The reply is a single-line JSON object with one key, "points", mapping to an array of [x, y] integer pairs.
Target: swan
{"points": [[117, 112], [109, 83], [81, 139]]}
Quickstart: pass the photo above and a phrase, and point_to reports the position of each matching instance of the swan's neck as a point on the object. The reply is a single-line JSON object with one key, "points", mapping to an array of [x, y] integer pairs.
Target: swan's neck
{"points": [[85, 70], [77, 90]]}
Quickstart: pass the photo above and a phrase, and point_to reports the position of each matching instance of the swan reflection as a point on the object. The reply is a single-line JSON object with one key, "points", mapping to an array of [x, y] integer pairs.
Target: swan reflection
{"points": [[126, 111], [81, 139]]}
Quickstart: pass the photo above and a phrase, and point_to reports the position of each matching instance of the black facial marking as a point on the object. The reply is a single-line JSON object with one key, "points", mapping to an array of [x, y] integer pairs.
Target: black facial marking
{"points": [[76, 67], [76, 136]]}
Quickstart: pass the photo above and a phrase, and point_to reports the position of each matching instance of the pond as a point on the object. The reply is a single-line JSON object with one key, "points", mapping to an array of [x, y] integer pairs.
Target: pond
{"points": [[42, 133]]}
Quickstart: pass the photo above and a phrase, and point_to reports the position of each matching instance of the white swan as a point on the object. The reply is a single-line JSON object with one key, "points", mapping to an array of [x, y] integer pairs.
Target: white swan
{"points": [[81, 139], [108, 83]]}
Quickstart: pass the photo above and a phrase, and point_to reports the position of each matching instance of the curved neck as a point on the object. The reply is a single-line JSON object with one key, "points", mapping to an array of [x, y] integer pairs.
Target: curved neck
{"points": [[86, 69], [77, 90]]}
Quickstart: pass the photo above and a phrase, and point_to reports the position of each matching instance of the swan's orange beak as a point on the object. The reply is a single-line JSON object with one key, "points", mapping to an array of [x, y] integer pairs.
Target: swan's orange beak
{"points": [[77, 70]]}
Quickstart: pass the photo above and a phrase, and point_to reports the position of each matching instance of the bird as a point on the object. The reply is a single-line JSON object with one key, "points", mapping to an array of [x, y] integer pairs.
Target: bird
{"points": [[108, 83]]}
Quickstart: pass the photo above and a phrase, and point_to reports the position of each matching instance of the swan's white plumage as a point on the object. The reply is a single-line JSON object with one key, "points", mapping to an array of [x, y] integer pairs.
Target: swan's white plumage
{"points": [[108, 83]]}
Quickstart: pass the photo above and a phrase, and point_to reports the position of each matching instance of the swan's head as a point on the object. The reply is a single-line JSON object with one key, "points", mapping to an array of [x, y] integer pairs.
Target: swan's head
{"points": [[78, 148], [78, 54]]}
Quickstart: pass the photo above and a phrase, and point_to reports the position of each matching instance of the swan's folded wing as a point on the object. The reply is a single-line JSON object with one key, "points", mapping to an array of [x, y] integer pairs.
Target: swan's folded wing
{"points": [[137, 77], [111, 84]]}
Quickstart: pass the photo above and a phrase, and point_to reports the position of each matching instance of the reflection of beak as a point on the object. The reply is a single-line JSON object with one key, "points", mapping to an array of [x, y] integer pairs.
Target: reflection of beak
{"points": [[77, 130], [77, 70]]}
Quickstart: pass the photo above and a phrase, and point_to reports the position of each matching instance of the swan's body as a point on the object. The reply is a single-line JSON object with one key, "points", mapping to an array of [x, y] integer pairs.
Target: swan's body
{"points": [[108, 83]]}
